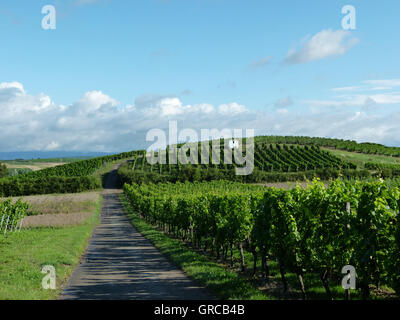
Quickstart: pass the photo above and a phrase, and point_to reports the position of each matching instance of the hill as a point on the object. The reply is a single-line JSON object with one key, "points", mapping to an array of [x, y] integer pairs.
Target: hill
{"points": [[276, 159]]}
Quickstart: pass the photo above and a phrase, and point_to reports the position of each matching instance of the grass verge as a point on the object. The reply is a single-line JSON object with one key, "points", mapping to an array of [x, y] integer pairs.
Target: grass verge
{"points": [[22, 256], [222, 283]]}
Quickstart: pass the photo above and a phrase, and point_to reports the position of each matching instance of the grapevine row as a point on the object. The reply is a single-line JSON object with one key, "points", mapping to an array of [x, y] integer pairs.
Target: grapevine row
{"points": [[314, 230]]}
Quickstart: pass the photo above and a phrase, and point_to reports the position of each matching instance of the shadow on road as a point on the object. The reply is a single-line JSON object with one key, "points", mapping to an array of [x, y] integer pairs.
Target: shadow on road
{"points": [[121, 264]]}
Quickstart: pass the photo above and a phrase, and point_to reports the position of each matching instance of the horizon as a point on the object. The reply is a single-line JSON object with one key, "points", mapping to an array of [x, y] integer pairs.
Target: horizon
{"points": [[111, 71], [36, 155]]}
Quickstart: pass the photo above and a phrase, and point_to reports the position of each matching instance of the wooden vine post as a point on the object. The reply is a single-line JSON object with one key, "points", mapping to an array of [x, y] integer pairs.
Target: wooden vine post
{"points": [[348, 209]]}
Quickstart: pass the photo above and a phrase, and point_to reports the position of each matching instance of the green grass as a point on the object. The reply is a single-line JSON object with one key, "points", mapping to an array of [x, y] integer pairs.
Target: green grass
{"points": [[360, 158], [22, 256], [223, 284]]}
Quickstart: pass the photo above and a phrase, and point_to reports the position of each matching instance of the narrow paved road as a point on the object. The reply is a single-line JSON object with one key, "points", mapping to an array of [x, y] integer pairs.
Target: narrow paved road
{"points": [[121, 264]]}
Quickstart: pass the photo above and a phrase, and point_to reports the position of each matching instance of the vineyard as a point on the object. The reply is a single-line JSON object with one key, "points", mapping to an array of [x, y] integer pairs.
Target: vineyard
{"points": [[272, 163], [275, 159], [79, 168], [305, 235], [295, 158], [69, 178], [267, 157], [11, 216], [315, 230], [347, 145]]}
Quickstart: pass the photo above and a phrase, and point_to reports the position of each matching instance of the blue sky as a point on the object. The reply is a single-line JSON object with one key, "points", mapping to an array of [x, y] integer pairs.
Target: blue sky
{"points": [[280, 67]]}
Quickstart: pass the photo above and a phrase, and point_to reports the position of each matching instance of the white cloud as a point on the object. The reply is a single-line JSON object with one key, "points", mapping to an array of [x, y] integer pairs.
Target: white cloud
{"points": [[282, 111], [171, 107], [346, 89], [385, 83], [371, 92], [380, 88], [231, 109], [12, 85], [324, 44], [96, 122], [385, 98], [205, 108], [350, 101], [95, 101], [359, 100], [52, 146]]}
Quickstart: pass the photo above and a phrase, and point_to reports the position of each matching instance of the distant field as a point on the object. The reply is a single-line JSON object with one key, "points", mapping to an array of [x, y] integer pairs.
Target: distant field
{"points": [[58, 210], [51, 160], [38, 164], [35, 166], [361, 158]]}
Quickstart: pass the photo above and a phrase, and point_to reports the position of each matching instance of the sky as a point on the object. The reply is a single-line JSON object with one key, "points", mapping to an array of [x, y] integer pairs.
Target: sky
{"points": [[112, 70]]}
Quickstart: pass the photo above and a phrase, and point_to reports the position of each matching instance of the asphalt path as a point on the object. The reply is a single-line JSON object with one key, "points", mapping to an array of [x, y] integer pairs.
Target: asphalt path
{"points": [[120, 264]]}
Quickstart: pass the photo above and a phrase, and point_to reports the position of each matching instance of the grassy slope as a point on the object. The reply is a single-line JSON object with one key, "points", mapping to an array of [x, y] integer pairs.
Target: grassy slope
{"points": [[222, 283], [22, 256], [360, 158]]}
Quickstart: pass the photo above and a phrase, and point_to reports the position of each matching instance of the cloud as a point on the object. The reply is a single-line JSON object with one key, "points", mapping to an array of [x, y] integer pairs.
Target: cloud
{"points": [[9, 90], [94, 101], [370, 86], [324, 44], [257, 64], [232, 109], [97, 122], [171, 107], [346, 89], [282, 111], [348, 101], [284, 102], [388, 83], [52, 146], [369, 93]]}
